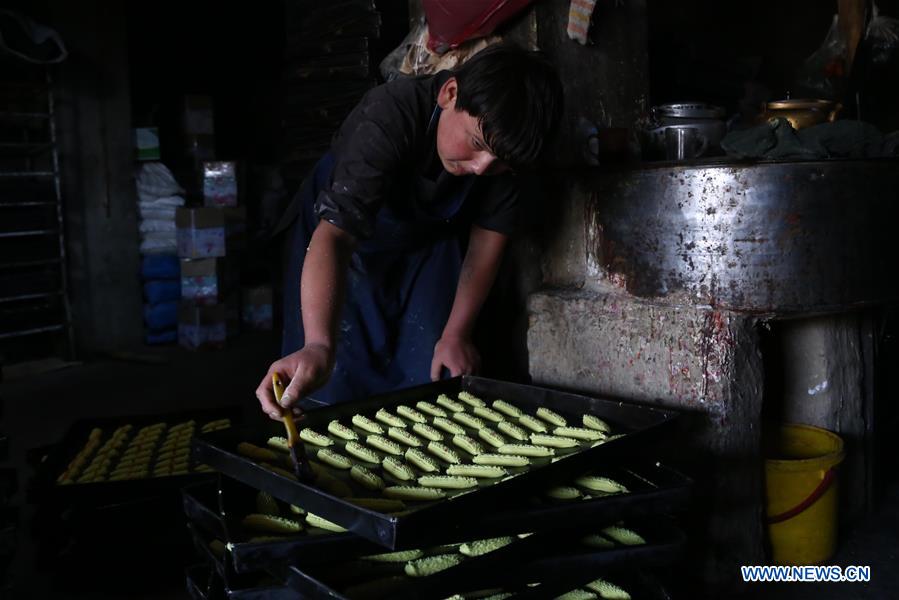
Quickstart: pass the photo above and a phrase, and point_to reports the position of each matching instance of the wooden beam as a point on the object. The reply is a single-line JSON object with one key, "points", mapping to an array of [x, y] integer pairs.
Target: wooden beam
{"points": [[852, 27]]}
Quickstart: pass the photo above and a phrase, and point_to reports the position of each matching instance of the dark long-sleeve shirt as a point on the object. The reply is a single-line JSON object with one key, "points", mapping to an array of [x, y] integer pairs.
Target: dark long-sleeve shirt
{"points": [[386, 154]]}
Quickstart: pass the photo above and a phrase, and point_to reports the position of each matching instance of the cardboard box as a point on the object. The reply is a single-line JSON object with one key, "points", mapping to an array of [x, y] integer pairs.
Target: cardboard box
{"points": [[256, 308], [208, 327], [199, 147], [197, 115], [220, 183], [207, 281], [146, 143], [209, 232]]}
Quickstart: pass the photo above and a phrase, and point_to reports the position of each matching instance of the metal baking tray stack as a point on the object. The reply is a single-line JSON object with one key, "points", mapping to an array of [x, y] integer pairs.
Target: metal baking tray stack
{"points": [[81, 523], [544, 530], [328, 67], [141, 456], [331, 60], [318, 562], [9, 515]]}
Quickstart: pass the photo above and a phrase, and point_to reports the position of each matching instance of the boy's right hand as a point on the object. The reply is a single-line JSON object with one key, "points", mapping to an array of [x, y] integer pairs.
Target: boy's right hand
{"points": [[307, 369]]}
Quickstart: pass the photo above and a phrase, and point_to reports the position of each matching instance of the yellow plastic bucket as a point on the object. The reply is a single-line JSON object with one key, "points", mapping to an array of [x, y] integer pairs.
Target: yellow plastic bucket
{"points": [[801, 487]]}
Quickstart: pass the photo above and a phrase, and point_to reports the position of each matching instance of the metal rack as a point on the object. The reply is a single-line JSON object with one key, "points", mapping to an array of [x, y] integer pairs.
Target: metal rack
{"points": [[35, 316], [317, 564]]}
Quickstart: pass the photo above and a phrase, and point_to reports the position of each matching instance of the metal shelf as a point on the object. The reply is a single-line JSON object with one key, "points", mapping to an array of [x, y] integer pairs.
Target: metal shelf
{"points": [[23, 149], [26, 89], [36, 330], [23, 204], [26, 174], [24, 264], [33, 249], [11, 115], [35, 296], [29, 233]]}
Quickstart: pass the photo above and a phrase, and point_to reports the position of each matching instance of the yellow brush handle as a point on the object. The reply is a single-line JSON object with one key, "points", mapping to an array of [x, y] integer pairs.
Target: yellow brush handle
{"points": [[291, 427]]}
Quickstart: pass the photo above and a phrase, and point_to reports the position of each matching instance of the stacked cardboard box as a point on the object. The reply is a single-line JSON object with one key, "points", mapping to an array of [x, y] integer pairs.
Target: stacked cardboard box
{"points": [[146, 143], [210, 237], [209, 242], [256, 308], [159, 197], [198, 127], [209, 232]]}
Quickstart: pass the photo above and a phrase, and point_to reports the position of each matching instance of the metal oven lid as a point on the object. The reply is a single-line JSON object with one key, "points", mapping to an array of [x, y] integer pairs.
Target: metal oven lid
{"points": [[422, 523], [689, 110]]}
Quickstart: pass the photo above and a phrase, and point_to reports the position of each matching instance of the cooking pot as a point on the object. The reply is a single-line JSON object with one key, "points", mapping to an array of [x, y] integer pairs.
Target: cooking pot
{"points": [[705, 123], [802, 113]]}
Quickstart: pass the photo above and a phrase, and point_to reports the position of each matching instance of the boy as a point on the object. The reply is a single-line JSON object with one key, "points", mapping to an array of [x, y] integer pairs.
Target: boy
{"points": [[377, 241]]}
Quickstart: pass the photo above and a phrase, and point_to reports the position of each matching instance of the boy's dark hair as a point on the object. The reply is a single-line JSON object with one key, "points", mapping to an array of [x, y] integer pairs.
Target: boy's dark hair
{"points": [[516, 97]]}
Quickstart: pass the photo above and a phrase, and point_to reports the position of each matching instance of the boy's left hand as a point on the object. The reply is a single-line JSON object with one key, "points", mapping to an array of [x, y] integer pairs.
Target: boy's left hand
{"points": [[457, 354]]}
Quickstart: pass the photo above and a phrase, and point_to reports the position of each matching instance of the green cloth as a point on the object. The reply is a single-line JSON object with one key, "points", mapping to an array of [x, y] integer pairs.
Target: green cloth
{"points": [[777, 139]]}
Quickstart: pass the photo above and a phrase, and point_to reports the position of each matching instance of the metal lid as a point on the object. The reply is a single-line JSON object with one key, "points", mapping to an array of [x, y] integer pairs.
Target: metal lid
{"points": [[794, 104], [690, 110]]}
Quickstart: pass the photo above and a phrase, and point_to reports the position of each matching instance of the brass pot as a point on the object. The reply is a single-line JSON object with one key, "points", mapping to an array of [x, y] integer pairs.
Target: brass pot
{"points": [[803, 113]]}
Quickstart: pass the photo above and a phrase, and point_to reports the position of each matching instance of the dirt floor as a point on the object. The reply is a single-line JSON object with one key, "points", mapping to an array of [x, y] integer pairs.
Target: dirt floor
{"points": [[140, 550]]}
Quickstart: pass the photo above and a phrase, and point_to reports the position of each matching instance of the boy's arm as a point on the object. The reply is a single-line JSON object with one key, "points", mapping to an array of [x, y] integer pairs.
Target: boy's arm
{"points": [[454, 350], [321, 294]]}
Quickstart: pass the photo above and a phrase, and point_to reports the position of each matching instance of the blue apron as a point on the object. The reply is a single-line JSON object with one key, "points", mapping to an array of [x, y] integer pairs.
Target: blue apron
{"points": [[400, 289]]}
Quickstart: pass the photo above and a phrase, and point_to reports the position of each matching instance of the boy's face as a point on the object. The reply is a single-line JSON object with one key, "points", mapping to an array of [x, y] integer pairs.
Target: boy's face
{"points": [[460, 143]]}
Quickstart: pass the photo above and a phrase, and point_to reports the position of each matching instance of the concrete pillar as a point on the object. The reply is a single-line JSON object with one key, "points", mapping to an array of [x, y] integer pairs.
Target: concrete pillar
{"points": [[97, 165], [705, 362], [826, 371]]}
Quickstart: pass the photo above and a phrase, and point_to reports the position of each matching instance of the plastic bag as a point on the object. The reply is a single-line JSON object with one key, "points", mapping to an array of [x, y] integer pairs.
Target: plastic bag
{"points": [[169, 336], [158, 291], [881, 38], [412, 46], [158, 243], [157, 225], [162, 316], [160, 267], [155, 180], [162, 213], [425, 62], [159, 202], [823, 75], [419, 60], [29, 41], [877, 72]]}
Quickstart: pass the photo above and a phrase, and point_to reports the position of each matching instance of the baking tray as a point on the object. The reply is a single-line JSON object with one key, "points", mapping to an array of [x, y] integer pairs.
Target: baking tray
{"points": [[201, 583], [422, 523], [57, 457], [141, 544], [222, 582], [573, 565], [494, 568], [207, 503], [665, 543], [640, 584], [345, 546], [654, 489]]}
